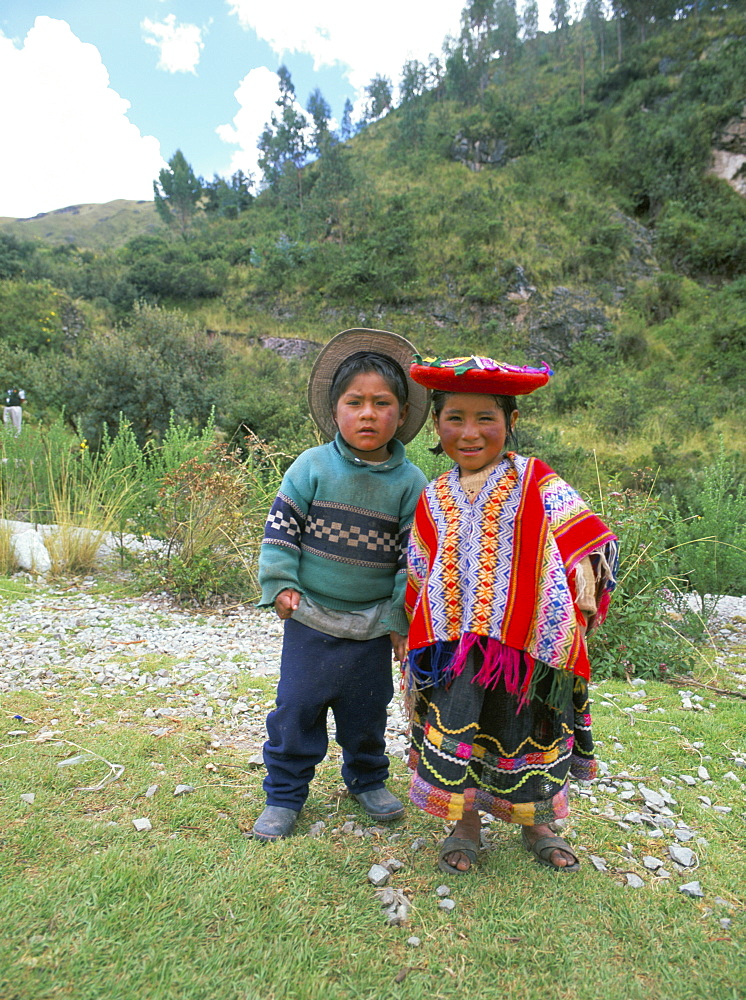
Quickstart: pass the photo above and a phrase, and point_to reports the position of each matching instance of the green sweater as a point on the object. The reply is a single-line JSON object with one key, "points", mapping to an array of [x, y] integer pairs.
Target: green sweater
{"points": [[338, 530]]}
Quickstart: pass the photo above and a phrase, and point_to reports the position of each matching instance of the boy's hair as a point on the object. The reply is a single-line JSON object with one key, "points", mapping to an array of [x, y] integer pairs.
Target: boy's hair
{"points": [[363, 362], [505, 403]]}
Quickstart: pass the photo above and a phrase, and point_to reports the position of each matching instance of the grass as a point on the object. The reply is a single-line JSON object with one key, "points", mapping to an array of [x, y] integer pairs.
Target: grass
{"points": [[193, 909]]}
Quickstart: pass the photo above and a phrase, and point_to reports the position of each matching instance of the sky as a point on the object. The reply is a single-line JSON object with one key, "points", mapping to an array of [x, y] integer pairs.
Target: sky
{"points": [[99, 94]]}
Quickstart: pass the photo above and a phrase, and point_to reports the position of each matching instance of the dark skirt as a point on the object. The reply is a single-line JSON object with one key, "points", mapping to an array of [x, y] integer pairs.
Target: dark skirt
{"points": [[473, 748]]}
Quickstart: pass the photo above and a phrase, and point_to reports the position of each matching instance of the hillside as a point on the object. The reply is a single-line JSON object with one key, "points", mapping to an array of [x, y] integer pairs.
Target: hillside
{"points": [[556, 203], [91, 227]]}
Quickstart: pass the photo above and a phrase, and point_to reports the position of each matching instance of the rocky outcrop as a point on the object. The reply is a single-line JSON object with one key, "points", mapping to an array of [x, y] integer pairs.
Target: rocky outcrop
{"points": [[479, 153], [728, 160], [567, 318]]}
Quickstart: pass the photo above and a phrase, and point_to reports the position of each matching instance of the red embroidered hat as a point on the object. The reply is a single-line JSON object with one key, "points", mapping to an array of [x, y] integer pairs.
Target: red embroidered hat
{"points": [[478, 375]]}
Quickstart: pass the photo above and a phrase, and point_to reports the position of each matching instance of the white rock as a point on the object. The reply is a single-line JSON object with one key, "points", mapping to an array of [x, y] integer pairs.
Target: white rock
{"points": [[682, 855], [447, 905], [150, 791], [142, 825], [693, 889], [28, 797], [30, 552], [634, 880], [651, 863], [413, 942], [184, 789], [703, 773], [598, 863], [442, 891], [378, 875]]}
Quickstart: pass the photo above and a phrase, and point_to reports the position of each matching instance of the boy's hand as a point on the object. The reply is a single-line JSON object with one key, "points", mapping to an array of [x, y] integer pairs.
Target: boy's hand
{"points": [[399, 642], [286, 603]]}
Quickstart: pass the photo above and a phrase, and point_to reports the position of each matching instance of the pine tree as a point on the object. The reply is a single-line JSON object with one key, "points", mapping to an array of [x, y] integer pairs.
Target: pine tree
{"points": [[177, 193]]}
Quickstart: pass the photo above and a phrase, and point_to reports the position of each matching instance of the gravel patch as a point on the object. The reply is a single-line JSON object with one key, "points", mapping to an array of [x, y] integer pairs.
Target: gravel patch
{"points": [[181, 665]]}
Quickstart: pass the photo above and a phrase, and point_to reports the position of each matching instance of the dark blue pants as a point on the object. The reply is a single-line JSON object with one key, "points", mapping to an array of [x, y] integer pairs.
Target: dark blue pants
{"points": [[318, 672]]}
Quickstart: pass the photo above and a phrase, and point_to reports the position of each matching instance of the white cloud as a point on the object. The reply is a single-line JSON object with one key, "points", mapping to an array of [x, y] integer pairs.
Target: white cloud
{"points": [[180, 45], [364, 38], [256, 96], [367, 39], [65, 132]]}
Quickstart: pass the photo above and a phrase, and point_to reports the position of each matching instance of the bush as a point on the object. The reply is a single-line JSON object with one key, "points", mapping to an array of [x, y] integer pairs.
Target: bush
{"points": [[649, 631], [710, 531]]}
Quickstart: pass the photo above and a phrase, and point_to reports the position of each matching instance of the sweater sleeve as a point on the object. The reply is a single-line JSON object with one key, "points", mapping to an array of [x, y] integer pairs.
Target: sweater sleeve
{"points": [[279, 557], [397, 620]]}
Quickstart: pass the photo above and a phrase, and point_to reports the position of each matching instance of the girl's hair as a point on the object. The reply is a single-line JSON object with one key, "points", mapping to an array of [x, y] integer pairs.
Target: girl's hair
{"points": [[505, 403], [363, 362]]}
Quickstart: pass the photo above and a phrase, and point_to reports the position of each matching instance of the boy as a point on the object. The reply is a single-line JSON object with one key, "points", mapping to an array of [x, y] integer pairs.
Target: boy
{"points": [[333, 564]]}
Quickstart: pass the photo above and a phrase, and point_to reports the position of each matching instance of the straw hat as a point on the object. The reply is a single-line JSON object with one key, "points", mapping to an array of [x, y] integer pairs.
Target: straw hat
{"points": [[478, 375], [350, 342]]}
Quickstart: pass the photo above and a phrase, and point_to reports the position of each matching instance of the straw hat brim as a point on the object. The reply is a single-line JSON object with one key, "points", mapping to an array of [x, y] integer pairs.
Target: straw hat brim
{"points": [[339, 348]]}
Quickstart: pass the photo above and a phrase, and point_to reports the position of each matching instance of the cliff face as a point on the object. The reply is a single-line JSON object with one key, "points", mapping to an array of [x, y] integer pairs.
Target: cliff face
{"points": [[729, 153]]}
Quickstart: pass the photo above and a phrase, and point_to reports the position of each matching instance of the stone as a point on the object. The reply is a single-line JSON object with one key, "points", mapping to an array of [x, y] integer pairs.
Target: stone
{"points": [[703, 773], [30, 552], [652, 799], [150, 791], [413, 942], [393, 864], [378, 875], [184, 789], [683, 856], [142, 825], [316, 829], [28, 798], [724, 810], [598, 863], [442, 891], [683, 835], [447, 905], [651, 863], [688, 779], [693, 889], [418, 844], [634, 880]]}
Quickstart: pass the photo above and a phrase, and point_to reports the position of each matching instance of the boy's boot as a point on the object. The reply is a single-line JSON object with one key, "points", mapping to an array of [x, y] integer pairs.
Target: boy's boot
{"points": [[380, 804], [274, 823]]}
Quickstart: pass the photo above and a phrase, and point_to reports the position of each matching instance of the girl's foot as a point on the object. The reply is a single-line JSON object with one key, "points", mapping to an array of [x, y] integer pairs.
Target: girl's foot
{"points": [[558, 858], [469, 827]]}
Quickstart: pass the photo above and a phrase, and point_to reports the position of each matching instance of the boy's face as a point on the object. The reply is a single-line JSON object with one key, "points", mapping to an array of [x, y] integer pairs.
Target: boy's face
{"points": [[368, 416]]}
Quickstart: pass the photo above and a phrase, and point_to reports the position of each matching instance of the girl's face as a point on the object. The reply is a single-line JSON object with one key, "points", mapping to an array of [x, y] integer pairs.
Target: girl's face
{"points": [[472, 429], [368, 415]]}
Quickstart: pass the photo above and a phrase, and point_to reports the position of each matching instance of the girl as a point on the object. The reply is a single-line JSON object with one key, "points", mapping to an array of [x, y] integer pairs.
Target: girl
{"points": [[507, 568]]}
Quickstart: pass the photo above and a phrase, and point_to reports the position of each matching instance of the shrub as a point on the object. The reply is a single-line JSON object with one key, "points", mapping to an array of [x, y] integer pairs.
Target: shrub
{"points": [[649, 631], [710, 530]]}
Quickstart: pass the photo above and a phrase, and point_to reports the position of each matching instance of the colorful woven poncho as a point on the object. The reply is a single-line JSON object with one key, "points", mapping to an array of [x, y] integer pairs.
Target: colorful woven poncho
{"points": [[500, 573]]}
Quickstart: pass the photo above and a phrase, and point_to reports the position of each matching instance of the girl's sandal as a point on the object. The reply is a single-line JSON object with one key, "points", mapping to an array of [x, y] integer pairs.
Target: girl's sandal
{"points": [[454, 845], [542, 851]]}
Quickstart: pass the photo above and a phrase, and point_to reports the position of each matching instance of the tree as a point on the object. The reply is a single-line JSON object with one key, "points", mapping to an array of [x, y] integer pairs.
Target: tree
{"points": [[320, 113], [594, 12], [560, 16], [380, 97], [412, 109], [227, 199], [529, 19], [282, 144], [346, 128], [505, 38], [157, 363], [413, 80], [177, 193]]}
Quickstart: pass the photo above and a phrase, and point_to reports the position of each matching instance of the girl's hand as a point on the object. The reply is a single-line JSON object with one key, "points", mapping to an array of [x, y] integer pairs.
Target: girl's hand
{"points": [[399, 642], [286, 603]]}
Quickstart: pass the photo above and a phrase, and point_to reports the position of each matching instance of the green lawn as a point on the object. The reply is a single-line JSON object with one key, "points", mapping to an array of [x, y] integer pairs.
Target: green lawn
{"points": [[195, 910]]}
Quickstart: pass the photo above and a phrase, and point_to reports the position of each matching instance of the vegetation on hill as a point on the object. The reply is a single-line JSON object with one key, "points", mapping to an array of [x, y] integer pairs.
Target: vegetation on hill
{"points": [[532, 196]]}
